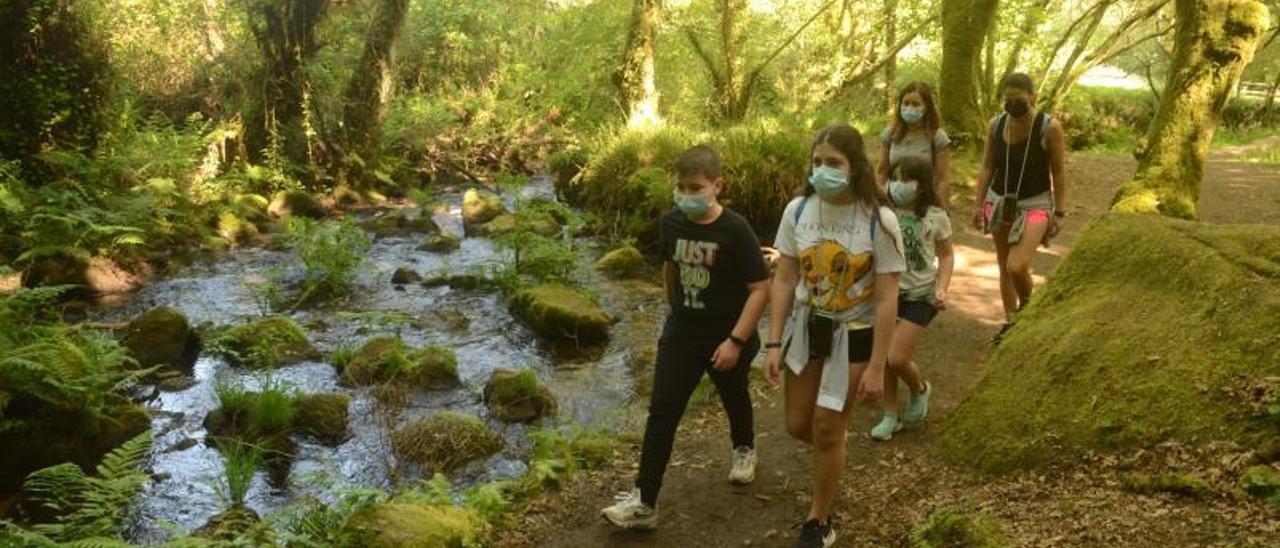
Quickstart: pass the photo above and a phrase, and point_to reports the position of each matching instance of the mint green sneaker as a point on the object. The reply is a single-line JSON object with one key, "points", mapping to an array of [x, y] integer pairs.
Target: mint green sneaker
{"points": [[888, 426], [918, 405]]}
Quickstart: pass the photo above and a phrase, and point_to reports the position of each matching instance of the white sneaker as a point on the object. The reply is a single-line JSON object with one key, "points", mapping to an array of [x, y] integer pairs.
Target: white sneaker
{"points": [[628, 512], [744, 466]]}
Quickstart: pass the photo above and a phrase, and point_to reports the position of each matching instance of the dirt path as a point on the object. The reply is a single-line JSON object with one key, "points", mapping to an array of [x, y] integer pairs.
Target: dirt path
{"points": [[890, 486]]}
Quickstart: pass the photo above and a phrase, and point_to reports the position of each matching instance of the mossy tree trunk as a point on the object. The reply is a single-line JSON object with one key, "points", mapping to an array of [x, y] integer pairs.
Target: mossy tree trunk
{"points": [[1215, 40], [891, 63], [965, 26], [370, 85], [637, 90], [273, 118]]}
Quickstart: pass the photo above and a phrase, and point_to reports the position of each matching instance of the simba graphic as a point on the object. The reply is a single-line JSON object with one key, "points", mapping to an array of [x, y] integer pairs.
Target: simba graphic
{"points": [[695, 259], [833, 275]]}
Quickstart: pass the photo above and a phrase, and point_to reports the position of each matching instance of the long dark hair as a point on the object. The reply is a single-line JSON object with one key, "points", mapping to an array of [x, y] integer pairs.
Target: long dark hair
{"points": [[932, 118], [915, 168], [846, 139]]}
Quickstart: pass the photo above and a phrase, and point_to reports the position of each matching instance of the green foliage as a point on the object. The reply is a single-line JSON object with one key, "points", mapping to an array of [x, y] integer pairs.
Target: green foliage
{"points": [[240, 461], [331, 255], [946, 527], [1106, 119], [90, 506], [1190, 365], [312, 523]]}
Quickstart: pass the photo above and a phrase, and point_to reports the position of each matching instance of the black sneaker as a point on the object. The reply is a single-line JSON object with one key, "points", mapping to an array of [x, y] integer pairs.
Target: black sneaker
{"points": [[999, 336], [815, 535]]}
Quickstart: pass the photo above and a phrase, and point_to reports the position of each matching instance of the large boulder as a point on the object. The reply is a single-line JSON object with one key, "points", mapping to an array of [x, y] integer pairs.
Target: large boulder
{"points": [[493, 228], [269, 342], [162, 337], [387, 359], [560, 312], [296, 203], [624, 262], [406, 525], [322, 416], [445, 441], [399, 223], [479, 207], [516, 396]]}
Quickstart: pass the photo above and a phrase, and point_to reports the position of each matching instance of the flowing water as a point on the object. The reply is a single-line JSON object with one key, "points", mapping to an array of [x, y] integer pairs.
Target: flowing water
{"points": [[187, 473]]}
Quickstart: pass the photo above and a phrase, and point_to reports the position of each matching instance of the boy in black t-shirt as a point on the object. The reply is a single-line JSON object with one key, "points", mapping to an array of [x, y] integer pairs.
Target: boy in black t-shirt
{"points": [[717, 285]]}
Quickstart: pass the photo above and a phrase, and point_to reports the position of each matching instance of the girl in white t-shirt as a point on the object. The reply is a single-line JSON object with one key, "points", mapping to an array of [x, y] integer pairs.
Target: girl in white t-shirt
{"points": [[840, 255], [926, 233]]}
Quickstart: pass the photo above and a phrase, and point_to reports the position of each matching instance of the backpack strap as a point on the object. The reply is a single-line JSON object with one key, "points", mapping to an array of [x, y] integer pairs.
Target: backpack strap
{"points": [[800, 209]]}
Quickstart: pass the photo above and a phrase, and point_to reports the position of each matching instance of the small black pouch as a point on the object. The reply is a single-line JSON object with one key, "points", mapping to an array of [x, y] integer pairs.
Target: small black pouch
{"points": [[1009, 211], [821, 331]]}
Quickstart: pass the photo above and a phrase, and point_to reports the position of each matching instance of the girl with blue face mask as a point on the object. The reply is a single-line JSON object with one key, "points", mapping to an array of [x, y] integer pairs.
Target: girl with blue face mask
{"points": [[917, 132], [833, 298]]}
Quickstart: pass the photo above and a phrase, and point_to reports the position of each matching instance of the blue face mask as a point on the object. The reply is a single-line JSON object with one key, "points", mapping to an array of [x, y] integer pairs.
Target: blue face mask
{"points": [[912, 115], [903, 193], [828, 181], [694, 206]]}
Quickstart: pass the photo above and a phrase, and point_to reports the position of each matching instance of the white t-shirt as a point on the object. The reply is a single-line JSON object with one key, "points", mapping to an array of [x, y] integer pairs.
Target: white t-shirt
{"points": [[838, 257], [921, 236]]}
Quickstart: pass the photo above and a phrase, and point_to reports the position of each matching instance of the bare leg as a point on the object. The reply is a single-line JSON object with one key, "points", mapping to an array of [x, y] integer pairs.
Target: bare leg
{"points": [[1008, 295], [1018, 261], [799, 393], [889, 400], [906, 337], [829, 450]]}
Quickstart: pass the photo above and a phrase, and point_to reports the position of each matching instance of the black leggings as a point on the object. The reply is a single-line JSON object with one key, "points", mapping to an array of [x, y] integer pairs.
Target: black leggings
{"points": [[683, 358]]}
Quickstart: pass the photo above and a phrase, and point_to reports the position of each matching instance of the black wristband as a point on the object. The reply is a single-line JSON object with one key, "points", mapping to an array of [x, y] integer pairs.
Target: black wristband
{"points": [[772, 345], [741, 343]]}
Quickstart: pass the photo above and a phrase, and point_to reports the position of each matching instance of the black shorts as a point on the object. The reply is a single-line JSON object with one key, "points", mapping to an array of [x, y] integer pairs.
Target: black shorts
{"points": [[916, 312], [860, 341]]}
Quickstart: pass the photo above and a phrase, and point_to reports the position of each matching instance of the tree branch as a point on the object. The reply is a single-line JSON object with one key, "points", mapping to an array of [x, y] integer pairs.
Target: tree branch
{"points": [[862, 76]]}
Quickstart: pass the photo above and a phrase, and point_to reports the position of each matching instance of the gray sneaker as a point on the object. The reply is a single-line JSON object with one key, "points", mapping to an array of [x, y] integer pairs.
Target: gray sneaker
{"points": [[628, 512], [744, 466]]}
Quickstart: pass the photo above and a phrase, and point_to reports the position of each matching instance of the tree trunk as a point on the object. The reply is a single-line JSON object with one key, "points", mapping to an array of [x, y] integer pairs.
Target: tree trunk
{"points": [[1215, 41], [370, 84], [1271, 95], [285, 32], [891, 63], [730, 98], [965, 26], [636, 88], [1031, 20]]}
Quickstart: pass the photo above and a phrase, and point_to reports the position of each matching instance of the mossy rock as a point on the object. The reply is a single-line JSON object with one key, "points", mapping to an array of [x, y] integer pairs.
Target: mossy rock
{"points": [[562, 313], [1187, 485], [266, 343], [162, 337], [624, 262], [441, 242], [405, 276], [498, 226], [480, 207], [322, 416], [445, 441], [947, 528], [399, 223], [296, 203], [593, 450], [460, 281], [388, 359], [236, 229], [405, 525], [49, 436], [1262, 481], [232, 524], [1126, 347], [516, 396]]}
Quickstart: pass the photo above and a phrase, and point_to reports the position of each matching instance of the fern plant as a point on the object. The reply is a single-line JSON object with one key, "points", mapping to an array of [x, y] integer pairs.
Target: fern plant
{"points": [[331, 255], [90, 506]]}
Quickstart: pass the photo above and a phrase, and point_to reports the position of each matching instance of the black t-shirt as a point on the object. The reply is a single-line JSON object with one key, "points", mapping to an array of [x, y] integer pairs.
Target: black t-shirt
{"points": [[714, 262]]}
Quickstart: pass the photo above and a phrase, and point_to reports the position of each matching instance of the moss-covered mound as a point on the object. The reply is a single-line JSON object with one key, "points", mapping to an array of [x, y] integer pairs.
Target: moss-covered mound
{"points": [[562, 313], [296, 203], [1262, 481], [405, 275], [445, 441], [406, 525], [322, 416], [387, 359], [265, 343], [628, 180], [162, 337], [516, 396], [946, 528], [624, 262], [1152, 329], [233, 524], [399, 223]]}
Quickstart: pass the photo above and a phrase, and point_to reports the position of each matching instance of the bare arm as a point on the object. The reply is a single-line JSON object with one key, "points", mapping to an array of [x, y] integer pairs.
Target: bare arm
{"points": [[886, 296], [1058, 164], [752, 310], [882, 170], [942, 175], [946, 252], [984, 175], [781, 297]]}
